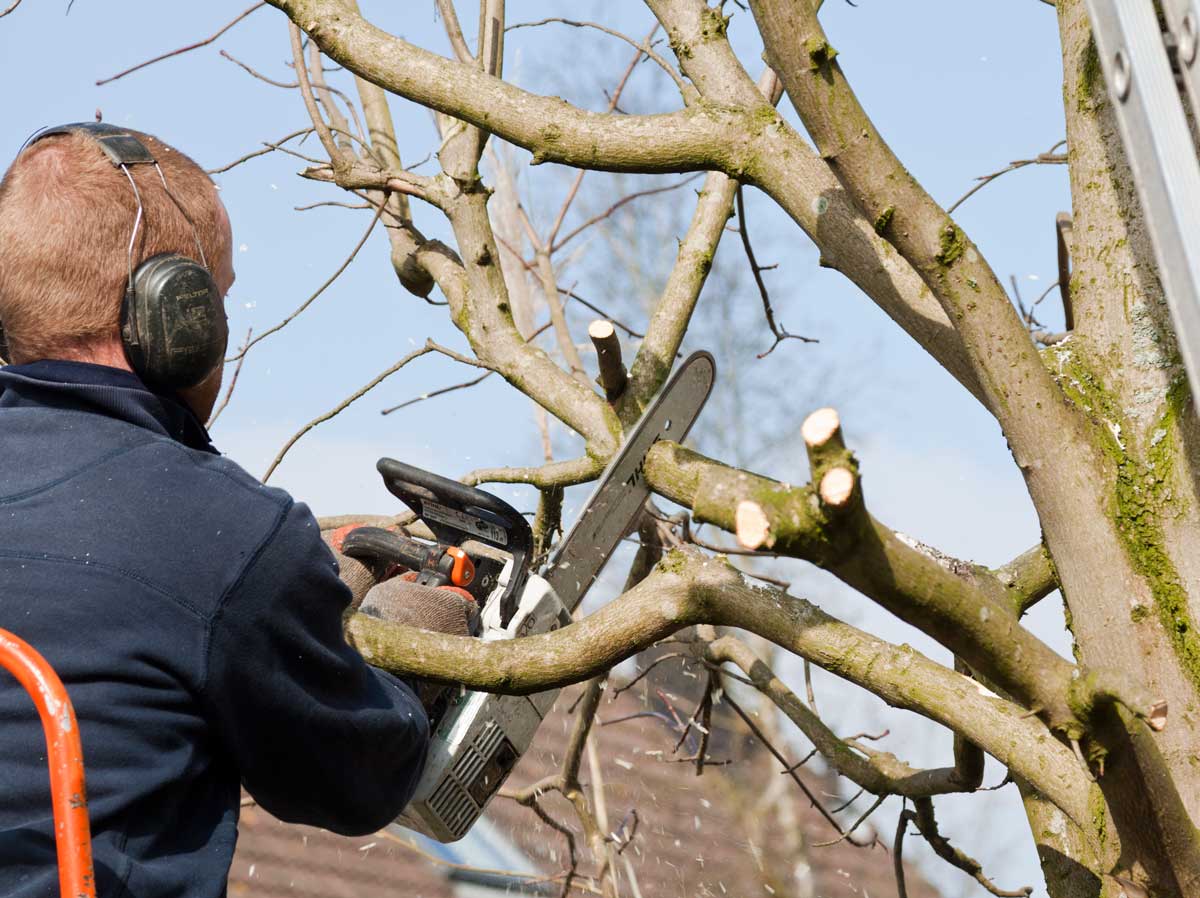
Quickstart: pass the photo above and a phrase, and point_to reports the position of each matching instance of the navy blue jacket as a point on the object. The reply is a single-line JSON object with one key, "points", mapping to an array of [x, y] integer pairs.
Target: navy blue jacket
{"points": [[195, 617]]}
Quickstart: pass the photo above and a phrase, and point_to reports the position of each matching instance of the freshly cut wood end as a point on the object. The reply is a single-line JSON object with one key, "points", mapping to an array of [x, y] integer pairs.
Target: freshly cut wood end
{"points": [[752, 527], [819, 427], [837, 486], [1157, 718], [601, 329]]}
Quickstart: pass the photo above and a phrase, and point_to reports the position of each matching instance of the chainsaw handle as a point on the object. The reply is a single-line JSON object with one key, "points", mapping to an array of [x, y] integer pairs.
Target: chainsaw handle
{"points": [[456, 512], [374, 544]]}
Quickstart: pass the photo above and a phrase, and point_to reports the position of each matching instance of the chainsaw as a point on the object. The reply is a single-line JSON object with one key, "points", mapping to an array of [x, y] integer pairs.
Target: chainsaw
{"points": [[483, 546]]}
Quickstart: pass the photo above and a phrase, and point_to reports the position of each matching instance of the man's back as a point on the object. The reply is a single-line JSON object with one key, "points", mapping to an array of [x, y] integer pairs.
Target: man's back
{"points": [[194, 616]]}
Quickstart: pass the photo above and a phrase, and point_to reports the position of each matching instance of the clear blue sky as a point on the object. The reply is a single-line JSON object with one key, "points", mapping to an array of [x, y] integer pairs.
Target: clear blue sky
{"points": [[958, 88]]}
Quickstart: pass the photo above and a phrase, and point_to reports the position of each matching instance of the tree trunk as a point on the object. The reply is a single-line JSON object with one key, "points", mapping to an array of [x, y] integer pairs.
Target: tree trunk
{"points": [[1130, 610]]}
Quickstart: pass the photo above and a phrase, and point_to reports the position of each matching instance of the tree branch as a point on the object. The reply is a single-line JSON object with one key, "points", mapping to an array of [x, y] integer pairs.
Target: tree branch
{"points": [[880, 773], [687, 589], [828, 525], [202, 43]]}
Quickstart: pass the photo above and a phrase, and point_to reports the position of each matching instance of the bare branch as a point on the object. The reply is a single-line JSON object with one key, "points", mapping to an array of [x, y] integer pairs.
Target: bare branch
{"points": [[439, 392], [553, 474], [309, 301], [623, 201], [344, 404], [878, 562], [824, 812], [780, 333], [687, 590], [644, 47], [599, 311], [613, 100], [270, 148], [1050, 157], [454, 31], [181, 50], [310, 101], [237, 371], [926, 825]]}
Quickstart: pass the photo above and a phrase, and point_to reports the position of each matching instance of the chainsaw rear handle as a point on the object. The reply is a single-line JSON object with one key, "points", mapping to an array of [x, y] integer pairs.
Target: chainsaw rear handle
{"points": [[456, 512], [433, 566], [68, 792]]}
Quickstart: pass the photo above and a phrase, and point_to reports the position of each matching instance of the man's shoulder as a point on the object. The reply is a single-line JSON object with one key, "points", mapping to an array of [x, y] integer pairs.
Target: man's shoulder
{"points": [[227, 504]]}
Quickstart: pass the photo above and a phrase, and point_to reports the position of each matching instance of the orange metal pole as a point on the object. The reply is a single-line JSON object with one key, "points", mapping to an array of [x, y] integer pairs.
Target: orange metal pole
{"points": [[72, 834]]}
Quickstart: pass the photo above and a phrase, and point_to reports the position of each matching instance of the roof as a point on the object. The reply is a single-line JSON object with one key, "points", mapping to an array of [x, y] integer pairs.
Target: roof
{"points": [[705, 836]]}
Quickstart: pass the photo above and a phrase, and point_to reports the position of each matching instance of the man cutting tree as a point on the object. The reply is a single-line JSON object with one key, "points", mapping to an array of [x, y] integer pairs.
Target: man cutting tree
{"points": [[194, 614]]}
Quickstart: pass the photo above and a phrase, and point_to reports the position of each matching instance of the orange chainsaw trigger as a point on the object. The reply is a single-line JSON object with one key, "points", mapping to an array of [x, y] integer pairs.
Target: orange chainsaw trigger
{"points": [[463, 571]]}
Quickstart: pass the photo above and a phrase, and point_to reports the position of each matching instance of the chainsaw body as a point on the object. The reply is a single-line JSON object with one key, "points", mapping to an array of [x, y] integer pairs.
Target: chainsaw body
{"points": [[482, 548], [479, 737]]}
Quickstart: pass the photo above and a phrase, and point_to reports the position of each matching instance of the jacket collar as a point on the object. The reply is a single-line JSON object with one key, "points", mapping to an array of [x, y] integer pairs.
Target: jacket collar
{"points": [[100, 389]]}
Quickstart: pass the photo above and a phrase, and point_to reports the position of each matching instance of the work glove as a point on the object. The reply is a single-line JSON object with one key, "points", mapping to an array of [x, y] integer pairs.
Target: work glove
{"points": [[444, 609], [360, 576]]}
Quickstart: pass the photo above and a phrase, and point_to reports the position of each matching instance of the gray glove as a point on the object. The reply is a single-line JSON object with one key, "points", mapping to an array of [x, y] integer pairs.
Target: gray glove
{"points": [[428, 608]]}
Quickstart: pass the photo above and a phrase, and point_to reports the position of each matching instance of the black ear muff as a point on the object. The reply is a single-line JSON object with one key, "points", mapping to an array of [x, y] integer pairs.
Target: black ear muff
{"points": [[173, 322]]}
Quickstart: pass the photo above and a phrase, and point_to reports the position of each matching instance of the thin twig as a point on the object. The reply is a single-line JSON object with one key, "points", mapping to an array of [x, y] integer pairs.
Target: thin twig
{"points": [[613, 99], [1050, 157], [857, 823], [706, 706], [596, 219], [898, 852], [292, 85], [845, 804], [232, 383], [439, 392], [268, 148], [761, 736], [181, 50], [625, 687], [644, 47], [458, 356], [10, 8], [308, 302], [259, 75], [335, 203], [599, 311], [778, 330], [926, 824], [345, 403]]}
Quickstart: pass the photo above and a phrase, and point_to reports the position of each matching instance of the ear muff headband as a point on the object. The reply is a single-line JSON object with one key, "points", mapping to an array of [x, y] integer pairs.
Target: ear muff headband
{"points": [[172, 317]]}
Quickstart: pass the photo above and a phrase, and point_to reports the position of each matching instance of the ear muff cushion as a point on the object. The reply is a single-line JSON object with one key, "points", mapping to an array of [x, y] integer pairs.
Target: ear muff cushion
{"points": [[173, 322]]}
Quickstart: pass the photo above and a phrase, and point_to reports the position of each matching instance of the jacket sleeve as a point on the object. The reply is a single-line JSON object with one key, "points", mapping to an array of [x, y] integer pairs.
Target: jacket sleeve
{"points": [[318, 736]]}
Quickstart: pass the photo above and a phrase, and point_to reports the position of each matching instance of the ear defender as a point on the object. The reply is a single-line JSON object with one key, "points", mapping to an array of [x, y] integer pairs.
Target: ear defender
{"points": [[173, 321]]}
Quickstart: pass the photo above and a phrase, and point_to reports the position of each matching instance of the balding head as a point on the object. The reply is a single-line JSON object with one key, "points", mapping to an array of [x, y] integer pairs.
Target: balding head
{"points": [[66, 217]]}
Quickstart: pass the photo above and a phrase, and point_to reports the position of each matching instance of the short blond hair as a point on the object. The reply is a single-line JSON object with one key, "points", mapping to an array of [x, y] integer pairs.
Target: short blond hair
{"points": [[66, 216]]}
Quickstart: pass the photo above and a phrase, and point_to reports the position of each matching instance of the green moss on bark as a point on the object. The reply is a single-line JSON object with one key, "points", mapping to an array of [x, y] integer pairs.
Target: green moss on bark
{"points": [[820, 53], [884, 218], [1141, 498], [953, 244]]}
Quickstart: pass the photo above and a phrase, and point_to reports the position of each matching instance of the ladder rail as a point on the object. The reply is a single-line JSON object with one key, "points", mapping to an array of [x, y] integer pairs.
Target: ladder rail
{"points": [[64, 752], [1162, 156]]}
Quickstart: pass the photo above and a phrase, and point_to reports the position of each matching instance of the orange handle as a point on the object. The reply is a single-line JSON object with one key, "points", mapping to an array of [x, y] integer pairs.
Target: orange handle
{"points": [[72, 834]]}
